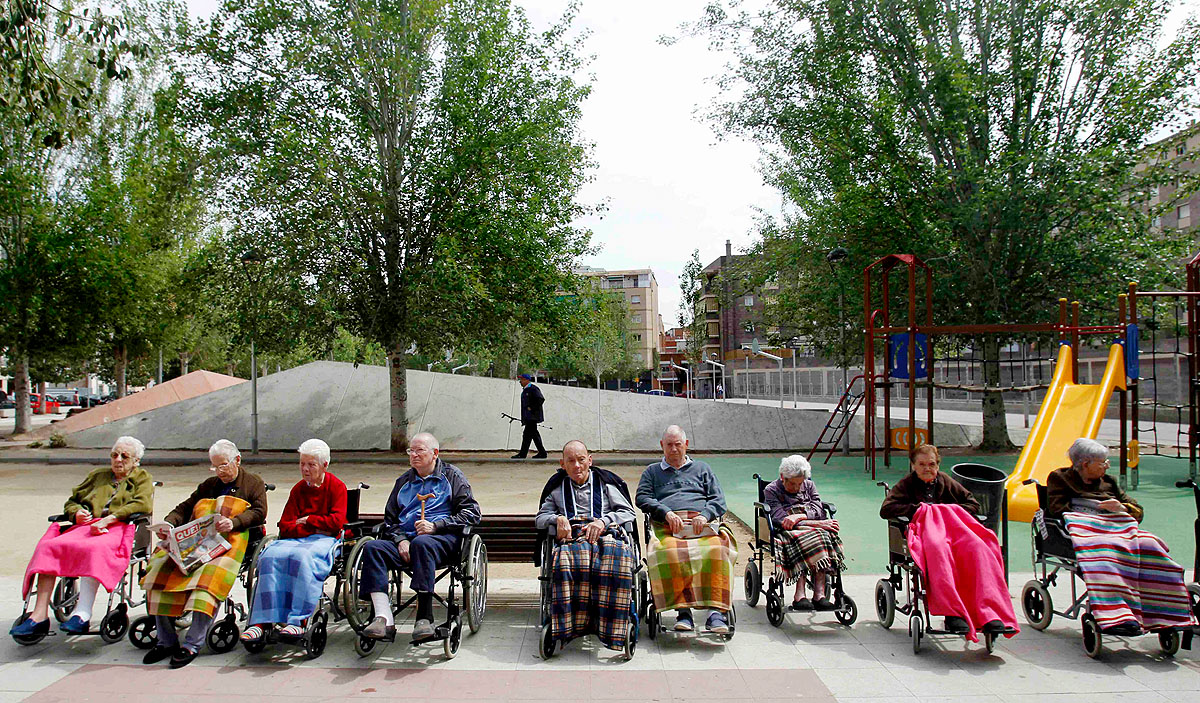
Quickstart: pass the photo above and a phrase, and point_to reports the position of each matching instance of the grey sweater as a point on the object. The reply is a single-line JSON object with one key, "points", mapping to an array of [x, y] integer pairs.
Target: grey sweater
{"points": [[693, 486], [614, 509]]}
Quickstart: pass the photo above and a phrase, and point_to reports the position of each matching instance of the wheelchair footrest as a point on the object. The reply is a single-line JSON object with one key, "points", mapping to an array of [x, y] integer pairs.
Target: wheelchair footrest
{"points": [[440, 633]]}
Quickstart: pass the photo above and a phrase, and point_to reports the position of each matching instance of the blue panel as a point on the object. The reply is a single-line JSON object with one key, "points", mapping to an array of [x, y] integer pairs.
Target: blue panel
{"points": [[898, 355], [1132, 367]]}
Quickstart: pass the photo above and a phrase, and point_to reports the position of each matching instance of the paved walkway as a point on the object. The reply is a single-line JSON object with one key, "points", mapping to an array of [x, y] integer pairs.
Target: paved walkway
{"points": [[809, 658]]}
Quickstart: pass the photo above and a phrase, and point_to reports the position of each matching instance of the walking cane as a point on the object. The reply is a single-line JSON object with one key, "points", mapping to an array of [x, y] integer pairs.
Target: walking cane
{"points": [[424, 497]]}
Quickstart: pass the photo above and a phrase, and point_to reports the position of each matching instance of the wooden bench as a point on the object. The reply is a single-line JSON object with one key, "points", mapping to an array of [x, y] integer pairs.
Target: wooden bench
{"points": [[510, 538]]}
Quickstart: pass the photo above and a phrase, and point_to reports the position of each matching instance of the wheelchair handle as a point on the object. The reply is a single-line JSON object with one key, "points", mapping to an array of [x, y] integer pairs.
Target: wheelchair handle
{"points": [[1028, 481], [269, 486], [883, 484], [1186, 483], [363, 486], [156, 484]]}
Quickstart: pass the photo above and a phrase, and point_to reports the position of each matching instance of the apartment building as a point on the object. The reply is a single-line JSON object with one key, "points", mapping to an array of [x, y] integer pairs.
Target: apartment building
{"points": [[641, 296], [1182, 208]]}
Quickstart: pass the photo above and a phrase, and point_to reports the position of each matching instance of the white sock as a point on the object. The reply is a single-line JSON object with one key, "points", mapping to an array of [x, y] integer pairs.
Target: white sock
{"points": [[88, 587], [383, 607]]}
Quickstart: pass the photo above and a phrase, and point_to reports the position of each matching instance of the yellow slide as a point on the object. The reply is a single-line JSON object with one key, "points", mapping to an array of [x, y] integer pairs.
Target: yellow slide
{"points": [[1070, 411]]}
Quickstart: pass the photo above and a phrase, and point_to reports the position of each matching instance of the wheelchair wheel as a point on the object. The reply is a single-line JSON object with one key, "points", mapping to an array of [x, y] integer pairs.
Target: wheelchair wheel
{"points": [[143, 633], [885, 602], [631, 634], [774, 607], [475, 586], [453, 639], [358, 611], [318, 635], [223, 635], [115, 624], [64, 598], [646, 594], [251, 567], [848, 613], [26, 640], [1037, 605], [989, 642], [1194, 597], [256, 646], [916, 628], [546, 644], [752, 584], [363, 645], [1093, 642], [652, 620], [731, 616], [338, 601], [1169, 641]]}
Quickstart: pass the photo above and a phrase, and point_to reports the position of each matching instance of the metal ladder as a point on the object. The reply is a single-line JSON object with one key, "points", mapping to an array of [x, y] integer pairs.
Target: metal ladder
{"points": [[839, 420]]}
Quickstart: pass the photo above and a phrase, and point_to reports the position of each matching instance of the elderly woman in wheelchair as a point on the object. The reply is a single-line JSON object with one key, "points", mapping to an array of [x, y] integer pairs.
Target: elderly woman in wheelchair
{"points": [[950, 563], [589, 556], [290, 571], [426, 527], [97, 541], [798, 531], [1085, 512]]}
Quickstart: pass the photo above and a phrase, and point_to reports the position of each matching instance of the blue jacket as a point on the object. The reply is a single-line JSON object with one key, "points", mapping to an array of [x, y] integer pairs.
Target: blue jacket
{"points": [[452, 508]]}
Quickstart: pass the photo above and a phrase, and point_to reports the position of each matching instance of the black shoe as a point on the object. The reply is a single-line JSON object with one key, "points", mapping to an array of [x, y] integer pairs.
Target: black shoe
{"points": [[824, 604], [158, 654], [540, 455], [957, 625], [1124, 629], [994, 627], [802, 604], [183, 657], [517, 456]]}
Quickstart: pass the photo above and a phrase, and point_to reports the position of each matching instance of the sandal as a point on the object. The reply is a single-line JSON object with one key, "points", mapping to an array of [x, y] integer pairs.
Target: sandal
{"points": [[292, 631], [253, 634]]}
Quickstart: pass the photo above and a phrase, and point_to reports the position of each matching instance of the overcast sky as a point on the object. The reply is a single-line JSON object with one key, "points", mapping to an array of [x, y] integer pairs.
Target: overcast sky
{"points": [[670, 187]]}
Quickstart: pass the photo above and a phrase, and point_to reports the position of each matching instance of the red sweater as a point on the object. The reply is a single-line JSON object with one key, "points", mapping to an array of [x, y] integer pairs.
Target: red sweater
{"points": [[324, 506]]}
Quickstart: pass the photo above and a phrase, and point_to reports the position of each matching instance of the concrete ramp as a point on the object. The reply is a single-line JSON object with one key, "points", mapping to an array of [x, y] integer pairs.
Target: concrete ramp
{"points": [[348, 407], [185, 387]]}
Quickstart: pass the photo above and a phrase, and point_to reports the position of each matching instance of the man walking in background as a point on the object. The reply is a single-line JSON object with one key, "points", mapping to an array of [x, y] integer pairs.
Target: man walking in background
{"points": [[531, 414]]}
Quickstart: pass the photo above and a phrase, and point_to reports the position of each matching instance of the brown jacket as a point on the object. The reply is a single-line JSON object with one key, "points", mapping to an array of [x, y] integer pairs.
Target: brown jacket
{"points": [[247, 486], [1064, 484], [909, 492]]}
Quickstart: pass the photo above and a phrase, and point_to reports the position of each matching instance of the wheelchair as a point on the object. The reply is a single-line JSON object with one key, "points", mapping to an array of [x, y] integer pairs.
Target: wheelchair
{"points": [[904, 576], [1053, 553], [468, 570], [651, 615], [316, 628], [115, 622], [845, 609], [639, 589], [224, 631]]}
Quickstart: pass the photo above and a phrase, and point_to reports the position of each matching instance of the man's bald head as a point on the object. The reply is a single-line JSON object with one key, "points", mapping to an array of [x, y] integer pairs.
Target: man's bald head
{"points": [[576, 461], [578, 443]]}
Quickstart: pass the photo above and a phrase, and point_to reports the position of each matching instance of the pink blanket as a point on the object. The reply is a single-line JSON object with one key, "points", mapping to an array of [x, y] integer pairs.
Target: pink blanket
{"points": [[77, 552], [963, 569]]}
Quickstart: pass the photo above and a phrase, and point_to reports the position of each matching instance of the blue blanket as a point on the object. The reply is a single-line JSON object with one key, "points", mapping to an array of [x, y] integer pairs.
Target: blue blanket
{"points": [[291, 577]]}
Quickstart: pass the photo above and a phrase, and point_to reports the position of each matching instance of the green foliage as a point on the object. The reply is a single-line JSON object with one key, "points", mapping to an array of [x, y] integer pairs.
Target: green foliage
{"points": [[691, 313]]}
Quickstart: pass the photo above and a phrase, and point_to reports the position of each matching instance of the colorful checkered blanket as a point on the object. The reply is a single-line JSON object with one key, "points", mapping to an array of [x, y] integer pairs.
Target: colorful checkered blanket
{"points": [[1129, 575], [171, 592], [691, 573], [290, 579], [805, 547], [592, 588]]}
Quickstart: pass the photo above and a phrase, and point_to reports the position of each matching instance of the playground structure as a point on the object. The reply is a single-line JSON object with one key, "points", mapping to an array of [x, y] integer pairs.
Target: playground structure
{"points": [[1020, 359]]}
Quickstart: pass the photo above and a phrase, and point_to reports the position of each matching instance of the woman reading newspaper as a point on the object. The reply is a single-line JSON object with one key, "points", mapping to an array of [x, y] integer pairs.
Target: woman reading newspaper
{"points": [[239, 498]]}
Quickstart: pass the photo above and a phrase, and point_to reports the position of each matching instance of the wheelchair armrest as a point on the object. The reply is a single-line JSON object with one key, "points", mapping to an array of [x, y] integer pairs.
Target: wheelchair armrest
{"points": [[61, 517], [766, 513], [140, 519], [830, 509]]}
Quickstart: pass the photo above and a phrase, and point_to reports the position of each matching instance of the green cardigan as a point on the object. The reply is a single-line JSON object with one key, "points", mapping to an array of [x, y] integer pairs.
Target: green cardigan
{"points": [[133, 495]]}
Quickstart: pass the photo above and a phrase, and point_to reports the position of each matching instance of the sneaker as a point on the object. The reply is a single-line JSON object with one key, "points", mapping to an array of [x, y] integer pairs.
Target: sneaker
{"points": [[717, 623], [29, 628], [75, 625], [253, 634], [379, 629], [684, 622], [423, 630], [158, 654], [956, 625], [802, 604], [182, 657]]}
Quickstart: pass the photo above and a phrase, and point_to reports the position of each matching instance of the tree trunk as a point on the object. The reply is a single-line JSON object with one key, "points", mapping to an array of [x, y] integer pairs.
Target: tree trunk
{"points": [[398, 357], [229, 369], [22, 411], [995, 423], [183, 364], [121, 357], [42, 395]]}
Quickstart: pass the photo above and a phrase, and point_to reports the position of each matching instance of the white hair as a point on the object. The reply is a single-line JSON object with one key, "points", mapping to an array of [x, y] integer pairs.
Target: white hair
{"points": [[315, 448], [1084, 450], [133, 443], [225, 449], [795, 466], [674, 430], [428, 438]]}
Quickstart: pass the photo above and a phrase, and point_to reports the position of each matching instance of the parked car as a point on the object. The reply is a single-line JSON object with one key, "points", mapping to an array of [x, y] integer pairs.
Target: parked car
{"points": [[658, 391]]}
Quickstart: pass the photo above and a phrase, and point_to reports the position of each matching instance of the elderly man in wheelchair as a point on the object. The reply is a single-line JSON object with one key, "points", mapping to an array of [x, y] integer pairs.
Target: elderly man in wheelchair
{"points": [[589, 555], [426, 526]]}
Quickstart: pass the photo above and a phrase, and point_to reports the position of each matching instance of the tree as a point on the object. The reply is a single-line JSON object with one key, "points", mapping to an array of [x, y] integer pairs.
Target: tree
{"points": [[998, 140], [421, 155], [692, 284]]}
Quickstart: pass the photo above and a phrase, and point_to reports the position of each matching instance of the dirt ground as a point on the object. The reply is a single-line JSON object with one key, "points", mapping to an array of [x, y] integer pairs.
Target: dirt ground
{"points": [[29, 493]]}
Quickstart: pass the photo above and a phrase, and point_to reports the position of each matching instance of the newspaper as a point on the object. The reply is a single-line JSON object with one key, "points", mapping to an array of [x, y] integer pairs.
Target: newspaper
{"points": [[193, 544]]}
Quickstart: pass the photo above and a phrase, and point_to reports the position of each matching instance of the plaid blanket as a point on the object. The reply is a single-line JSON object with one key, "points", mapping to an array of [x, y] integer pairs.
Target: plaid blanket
{"points": [[592, 590], [691, 573], [291, 577], [1128, 573], [808, 548], [171, 592]]}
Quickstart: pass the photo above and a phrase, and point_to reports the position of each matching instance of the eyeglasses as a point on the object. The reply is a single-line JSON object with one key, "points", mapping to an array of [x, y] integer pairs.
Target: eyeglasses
{"points": [[121, 455], [221, 467], [415, 452]]}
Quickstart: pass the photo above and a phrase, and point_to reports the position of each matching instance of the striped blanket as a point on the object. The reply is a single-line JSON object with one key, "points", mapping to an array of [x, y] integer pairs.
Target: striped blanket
{"points": [[290, 579], [171, 592], [592, 591], [808, 548], [691, 573], [1129, 575]]}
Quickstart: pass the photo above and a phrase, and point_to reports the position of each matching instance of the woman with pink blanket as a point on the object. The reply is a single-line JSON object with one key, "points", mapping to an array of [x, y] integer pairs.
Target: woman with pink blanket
{"points": [[959, 557], [96, 547]]}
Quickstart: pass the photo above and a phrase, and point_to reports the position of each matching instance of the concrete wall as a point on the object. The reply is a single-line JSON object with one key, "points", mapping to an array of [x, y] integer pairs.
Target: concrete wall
{"points": [[347, 406]]}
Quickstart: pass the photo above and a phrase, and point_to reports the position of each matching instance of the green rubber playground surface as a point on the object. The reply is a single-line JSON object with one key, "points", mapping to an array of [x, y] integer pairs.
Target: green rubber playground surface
{"points": [[1170, 511]]}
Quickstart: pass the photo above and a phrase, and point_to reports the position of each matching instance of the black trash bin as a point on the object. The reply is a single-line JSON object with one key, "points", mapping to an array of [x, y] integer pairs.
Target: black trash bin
{"points": [[986, 483]]}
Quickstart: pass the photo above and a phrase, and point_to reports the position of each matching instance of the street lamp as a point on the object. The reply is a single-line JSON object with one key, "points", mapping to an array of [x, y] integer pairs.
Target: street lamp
{"points": [[839, 255], [720, 366], [677, 367], [777, 359], [252, 264]]}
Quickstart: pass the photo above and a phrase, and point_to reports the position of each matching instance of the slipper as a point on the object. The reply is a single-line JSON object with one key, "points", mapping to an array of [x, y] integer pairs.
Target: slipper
{"points": [[253, 634], [292, 631]]}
